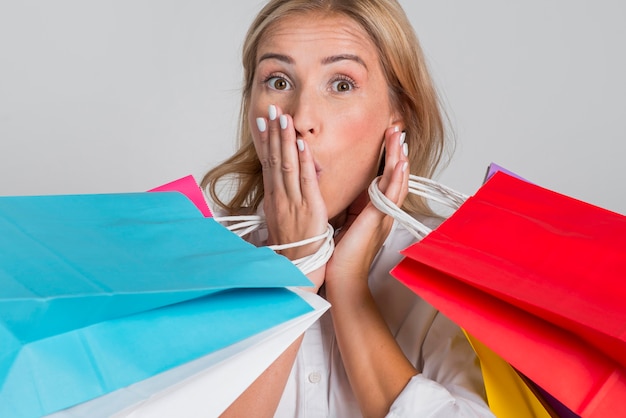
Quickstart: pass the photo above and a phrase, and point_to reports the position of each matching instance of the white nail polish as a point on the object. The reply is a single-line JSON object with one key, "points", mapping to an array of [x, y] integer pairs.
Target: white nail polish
{"points": [[272, 112], [405, 166], [402, 137], [283, 121], [300, 144], [405, 149], [260, 123], [396, 129]]}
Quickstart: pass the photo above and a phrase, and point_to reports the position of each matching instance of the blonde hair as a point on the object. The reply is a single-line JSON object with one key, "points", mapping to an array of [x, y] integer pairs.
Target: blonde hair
{"points": [[410, 88]]}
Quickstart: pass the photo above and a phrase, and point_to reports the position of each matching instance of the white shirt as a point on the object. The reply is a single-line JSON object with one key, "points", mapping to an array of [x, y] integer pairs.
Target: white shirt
{"points": [[450, 384]]}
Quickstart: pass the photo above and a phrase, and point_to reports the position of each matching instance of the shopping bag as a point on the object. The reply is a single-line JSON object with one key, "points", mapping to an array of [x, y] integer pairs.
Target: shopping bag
{"points": [[508, 393], [494, 168], [71, 264], [538, 277], [80, 259], [189, 187], [69, 368], [207, 386]]}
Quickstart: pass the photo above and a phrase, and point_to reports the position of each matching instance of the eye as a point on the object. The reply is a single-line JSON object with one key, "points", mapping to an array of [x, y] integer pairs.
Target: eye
{"points": [[343, 85], [278, 83]]}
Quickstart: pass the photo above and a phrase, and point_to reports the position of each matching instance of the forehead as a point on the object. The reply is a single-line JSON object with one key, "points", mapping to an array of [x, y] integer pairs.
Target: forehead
{"points": [[308, 32]]}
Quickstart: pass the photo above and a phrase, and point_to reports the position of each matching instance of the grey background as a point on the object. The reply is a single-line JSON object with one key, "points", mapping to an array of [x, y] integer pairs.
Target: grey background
{"points": [[115, 96]]}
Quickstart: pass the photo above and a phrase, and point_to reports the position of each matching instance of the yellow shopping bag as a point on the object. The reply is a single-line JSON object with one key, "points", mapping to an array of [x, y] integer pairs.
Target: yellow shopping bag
{"points": [[508, 394]]}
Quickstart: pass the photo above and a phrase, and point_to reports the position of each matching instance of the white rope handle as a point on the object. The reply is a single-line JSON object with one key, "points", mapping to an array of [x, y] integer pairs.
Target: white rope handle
{"points": [[245, 224], [420, 186]]}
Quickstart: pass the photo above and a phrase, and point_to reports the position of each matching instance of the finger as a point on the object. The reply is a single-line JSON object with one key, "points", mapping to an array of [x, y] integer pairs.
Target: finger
{"points": [[394, 183], [261, 144], [290, 165], [398, 186], [308, 174], [394, 143], [275, 158]]}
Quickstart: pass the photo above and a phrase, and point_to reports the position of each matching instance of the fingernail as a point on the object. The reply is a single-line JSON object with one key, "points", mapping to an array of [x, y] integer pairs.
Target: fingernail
{"points": [[402, 137], [405, 166], [396, 128], [272, 112], [260, 123], [405, 149], [300, 144], [283, 121]]}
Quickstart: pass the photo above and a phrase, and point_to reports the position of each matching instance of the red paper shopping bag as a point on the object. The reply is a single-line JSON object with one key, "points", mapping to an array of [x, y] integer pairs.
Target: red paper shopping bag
{"points": [[538, 277]]}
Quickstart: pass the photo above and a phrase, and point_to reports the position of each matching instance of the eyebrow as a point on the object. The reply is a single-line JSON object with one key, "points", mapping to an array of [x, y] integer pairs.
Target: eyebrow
{"points": [[273, 56], [344, 57], [326, 61]]}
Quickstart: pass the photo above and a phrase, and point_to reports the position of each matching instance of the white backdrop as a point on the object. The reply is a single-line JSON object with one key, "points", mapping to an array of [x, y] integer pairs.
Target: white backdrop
{"points": [[113, 96]]}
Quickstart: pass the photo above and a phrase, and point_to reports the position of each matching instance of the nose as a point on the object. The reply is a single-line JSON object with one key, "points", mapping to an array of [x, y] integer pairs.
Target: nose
{"points": [[305, 110]]}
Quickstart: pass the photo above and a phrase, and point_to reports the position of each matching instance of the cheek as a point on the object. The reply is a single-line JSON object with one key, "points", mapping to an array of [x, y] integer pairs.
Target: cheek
{"points": [[362, 139], [355, 159]]}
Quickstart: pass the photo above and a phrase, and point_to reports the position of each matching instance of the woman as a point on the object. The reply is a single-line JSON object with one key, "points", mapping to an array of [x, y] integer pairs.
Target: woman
{"points": [[336, 93]]}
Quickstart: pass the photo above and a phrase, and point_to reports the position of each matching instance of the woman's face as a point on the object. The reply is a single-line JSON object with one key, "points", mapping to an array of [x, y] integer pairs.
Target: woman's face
{"points": [[325, 72]]}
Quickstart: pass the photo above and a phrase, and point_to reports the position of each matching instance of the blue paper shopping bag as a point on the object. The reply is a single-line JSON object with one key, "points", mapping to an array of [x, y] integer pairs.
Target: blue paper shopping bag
{"points": [[80, 259], [70, 263], [64, 370]]}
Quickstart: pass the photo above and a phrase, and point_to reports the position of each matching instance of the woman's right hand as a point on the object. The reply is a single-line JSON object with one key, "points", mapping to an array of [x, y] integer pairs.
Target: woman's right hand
{"points": [[293, 204]]}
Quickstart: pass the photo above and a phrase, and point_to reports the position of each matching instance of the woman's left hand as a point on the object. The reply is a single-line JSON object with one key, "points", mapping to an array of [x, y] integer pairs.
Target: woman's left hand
{"points": [[362, 334], [366, 228]]}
